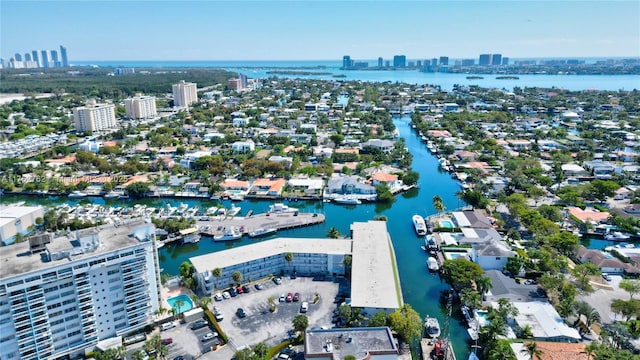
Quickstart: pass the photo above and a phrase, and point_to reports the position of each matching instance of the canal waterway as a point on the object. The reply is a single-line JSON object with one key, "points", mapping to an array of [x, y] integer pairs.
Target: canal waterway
{"points": [[420, 288]]}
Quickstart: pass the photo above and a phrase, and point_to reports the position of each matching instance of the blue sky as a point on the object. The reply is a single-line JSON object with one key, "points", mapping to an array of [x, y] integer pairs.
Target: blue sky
{"points": [[314, 30]]}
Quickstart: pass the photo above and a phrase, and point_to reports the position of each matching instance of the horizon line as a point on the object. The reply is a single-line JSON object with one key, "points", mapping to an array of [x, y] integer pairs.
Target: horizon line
{"points": [[372, 59]]}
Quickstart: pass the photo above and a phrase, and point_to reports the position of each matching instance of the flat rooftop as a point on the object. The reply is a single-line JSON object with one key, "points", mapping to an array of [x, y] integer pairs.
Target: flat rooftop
{"points": [[13, 212], [263, 249], [17, 259], [374, 275], [338, 343]]}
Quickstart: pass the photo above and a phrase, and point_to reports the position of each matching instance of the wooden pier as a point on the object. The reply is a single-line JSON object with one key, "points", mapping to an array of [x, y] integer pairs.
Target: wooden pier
{"points": [[216, 225]]}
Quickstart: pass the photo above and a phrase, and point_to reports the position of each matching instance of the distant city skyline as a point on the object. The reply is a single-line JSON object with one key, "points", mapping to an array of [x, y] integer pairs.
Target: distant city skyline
{"points": [[310, 30]]}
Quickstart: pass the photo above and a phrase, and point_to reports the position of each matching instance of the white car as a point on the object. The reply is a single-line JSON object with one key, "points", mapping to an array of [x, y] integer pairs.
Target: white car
{"points": [[217, 296], [282, 298], [304, 307], [226, 295], [208, 336], [167, 326]]}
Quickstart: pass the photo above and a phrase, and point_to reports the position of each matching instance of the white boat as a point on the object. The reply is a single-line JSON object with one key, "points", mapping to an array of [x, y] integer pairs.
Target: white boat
{"points": [[190, 235], [234, 210], [347, 200], [211, 211], [236, 197], [432, 327], [77, 194], [430, 243], [616, 236], [419, 225], [262, 232], [281, 208], [230, 234], [113, 195], [432, 264], [431, 147]]}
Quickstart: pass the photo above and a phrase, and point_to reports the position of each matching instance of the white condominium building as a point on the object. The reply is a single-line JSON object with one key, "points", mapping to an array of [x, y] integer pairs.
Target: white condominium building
{"points": [[184, 94], [61, 296], [141, 107], [95, 117]]}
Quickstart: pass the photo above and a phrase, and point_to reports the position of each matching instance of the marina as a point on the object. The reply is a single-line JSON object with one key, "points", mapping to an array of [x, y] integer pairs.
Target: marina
{"points": [[234, 228]]}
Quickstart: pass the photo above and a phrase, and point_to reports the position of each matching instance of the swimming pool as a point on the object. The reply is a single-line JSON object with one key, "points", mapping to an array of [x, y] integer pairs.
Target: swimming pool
{"points": [[446, 224], [452, 255], [186, 305], [482, 317]]}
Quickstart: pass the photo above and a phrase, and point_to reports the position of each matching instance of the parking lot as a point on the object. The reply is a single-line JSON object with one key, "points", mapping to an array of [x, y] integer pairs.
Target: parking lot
{"points": [[260, 324], [187, 342]]}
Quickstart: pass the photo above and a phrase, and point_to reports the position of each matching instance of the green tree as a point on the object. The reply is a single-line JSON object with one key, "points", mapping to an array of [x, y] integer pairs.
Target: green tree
{"points": [[139, 355], [288, 257], [410, 178], [237, 277], [461, 273], [137, 190], [626, 308], [333, 233], [378, 319], [630, 286], [533, 350], [582, 274], [261, 350], [383, 193], [244, 354], [514, 264], [300, 323], [217, 273], [346, 261], [406, 323], [437, 203], [483, 285]]}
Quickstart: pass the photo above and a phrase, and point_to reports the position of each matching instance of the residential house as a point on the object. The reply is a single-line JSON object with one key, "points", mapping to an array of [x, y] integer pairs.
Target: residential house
{"points": [[310, 186], [286, 161], [391, 180], [601, 169], [268, 187], [573, 170], [543, 320], [593, 216], [236, 185], [492, 255], [243, 146], [349, 184], [606, 262], [188, 160], [240, 121], [380, 144]]}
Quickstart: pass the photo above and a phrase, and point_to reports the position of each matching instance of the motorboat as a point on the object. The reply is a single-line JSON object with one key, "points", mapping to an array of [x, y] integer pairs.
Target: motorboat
{"points": [[419, 225], [616, 236], [430, 243], [432, 148], [262, 232], [235, 210], [232, 233], [432, 264], [432, 327], [236, 197], [113, 195], [77, 194], [278, 208], [347, 200]]}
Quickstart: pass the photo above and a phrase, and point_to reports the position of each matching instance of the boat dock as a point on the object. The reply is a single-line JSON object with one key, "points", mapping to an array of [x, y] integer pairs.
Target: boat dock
{"points": [[280, 221], [428, 348]]}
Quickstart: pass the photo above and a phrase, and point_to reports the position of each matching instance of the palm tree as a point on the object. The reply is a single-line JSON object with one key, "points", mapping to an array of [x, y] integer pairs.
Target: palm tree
{"points": [[438, 205], [590, 349], [288, 257], [217, 273], [237, 277], [178, 304], [532, 349], [333, 233], [483, 285], [204, 301], [196, 299], [347, 264]]}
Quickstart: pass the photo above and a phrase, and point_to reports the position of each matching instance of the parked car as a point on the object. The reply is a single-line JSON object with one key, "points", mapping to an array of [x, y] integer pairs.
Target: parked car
{"points": [[208, 336], [293, 275], [606, 276], [226, 295], [259, 286], [283, 356], [166, 341], [240, 290], [289, 297], [282, 298], [218, 315], [167, 326], [304, 307], [240, 313], [296, 297], [199, 324], [217, 296], [246, 288], [233, 292], [277, 280]]}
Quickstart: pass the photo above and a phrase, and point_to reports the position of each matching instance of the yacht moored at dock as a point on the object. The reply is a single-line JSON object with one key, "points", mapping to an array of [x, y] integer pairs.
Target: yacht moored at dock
{"points": [[347, 200], [432, 327], [419, 225], [262, 232], [432, 264], [77, 194], [232, 233]]}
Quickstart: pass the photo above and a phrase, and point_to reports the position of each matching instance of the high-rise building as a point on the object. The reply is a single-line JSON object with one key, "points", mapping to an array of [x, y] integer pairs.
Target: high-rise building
{"points": [[95, 117], [387, 63], [34, 56], [44, 62], [434, 62], [244, 80], [17, 57], [468, 62], [485, 60], [71, 292], [235, 84], [54, 59], [505, 61], [140, 107], [63, 55], [399, 61], [27, 57], [184, 94], [496, 59], [380, 62], [444, 60], [346, 62], [419, 63]]}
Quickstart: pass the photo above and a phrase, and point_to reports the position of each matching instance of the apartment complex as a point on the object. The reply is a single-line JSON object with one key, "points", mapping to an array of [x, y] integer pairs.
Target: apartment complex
{"points": [[374, 283], [16, 220], [184, 94], [95, 117], [140, 107], [32, 60], [61, 296]]}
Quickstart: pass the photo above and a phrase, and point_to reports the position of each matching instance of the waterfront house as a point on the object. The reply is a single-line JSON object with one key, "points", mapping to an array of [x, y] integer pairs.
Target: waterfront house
{"points": [[543, 320], [349, 184], [491, 255], [380, 144], [606, 262], [549, 350], [588, 215], [268, 187], [310, 186], [391, 180], [233, 184]]}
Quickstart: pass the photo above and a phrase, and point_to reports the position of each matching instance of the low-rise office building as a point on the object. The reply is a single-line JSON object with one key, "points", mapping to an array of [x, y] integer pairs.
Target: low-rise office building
{"points": [[59, 297], [373, 343]]}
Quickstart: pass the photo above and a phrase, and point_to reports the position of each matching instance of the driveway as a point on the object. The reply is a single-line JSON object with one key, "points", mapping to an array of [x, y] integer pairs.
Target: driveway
{"points": [[261, 325], [601, 299]]}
